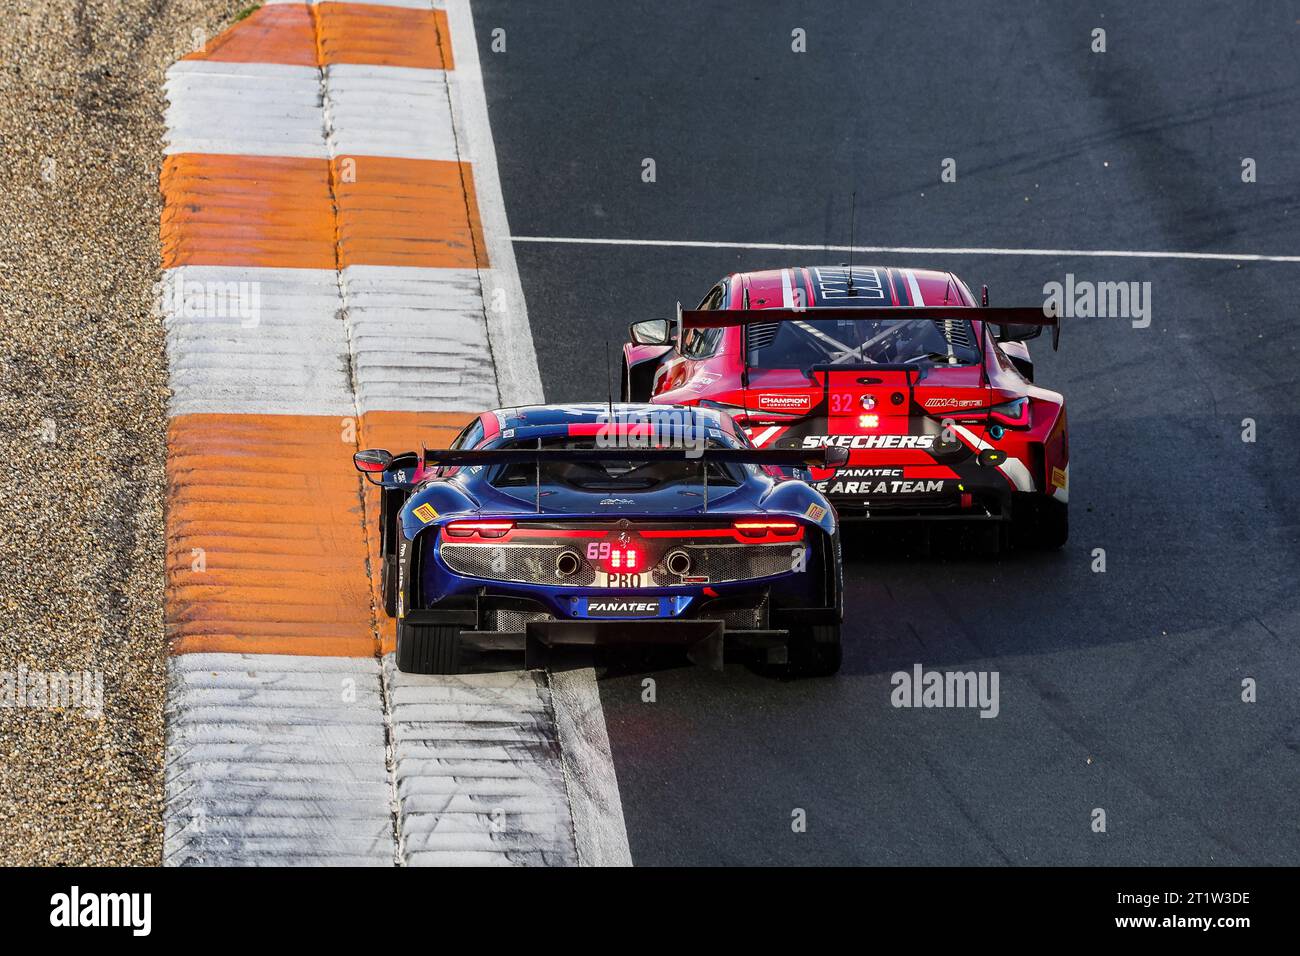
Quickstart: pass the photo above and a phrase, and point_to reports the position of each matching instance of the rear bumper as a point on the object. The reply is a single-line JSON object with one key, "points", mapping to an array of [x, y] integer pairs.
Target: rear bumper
{"points": [[856, 512], [993, 509], [983, 504], [702, 635], [703, 641], [474, 611]]}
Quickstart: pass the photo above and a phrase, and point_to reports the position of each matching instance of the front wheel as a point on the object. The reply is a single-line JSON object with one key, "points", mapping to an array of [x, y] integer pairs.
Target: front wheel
{"points": [[428, 648], [815, 650]]}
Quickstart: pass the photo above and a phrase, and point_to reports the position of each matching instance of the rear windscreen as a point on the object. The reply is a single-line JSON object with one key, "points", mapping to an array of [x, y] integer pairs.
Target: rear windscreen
{"points": [[802, 344], [617, 473]]}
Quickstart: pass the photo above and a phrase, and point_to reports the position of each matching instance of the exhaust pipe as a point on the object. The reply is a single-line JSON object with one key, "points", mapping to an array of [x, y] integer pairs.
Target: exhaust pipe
{"points": [[678, 563], [567, 564]]}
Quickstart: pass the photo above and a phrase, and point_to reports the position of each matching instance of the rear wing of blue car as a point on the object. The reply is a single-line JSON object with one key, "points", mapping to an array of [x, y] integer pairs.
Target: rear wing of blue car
{"points": [[377, 464], [826, 457], [374, 461]]}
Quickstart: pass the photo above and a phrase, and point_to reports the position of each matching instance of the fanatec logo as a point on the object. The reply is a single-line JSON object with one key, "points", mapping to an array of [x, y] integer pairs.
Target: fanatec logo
{"points": [[622, 607]]}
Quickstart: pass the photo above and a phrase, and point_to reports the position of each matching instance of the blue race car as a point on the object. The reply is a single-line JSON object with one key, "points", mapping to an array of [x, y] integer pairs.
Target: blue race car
{"points": [[599, 525]]}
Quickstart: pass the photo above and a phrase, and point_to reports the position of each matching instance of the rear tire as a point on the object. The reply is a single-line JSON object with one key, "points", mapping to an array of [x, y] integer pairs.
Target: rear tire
{"points": [[388, 585], [1042, 524], [428, 648], [815, 650]]}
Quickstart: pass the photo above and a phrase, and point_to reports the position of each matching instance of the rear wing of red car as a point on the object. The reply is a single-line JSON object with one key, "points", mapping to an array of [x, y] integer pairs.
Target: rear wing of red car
{"points": [[1019, 315]]}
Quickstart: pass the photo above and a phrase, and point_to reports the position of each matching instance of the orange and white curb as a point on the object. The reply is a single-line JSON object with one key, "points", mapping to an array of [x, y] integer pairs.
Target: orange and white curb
{"points": [[333, 234]]}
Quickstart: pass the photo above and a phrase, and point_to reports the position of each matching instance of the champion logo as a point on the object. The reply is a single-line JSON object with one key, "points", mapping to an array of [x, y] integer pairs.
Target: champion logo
{"points": [[785, 403]]}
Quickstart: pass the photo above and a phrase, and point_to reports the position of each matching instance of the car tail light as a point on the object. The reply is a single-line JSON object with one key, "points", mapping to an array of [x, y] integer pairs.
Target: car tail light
{"points": [[613, 556], [767, 529], [484, 529], [1014, 413]]}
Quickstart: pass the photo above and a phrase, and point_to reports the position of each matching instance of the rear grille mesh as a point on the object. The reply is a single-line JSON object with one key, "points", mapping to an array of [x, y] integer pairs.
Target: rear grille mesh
{"points": [[535, 563], [733, 562], [521, 563], [516, 622], [744, 619]]}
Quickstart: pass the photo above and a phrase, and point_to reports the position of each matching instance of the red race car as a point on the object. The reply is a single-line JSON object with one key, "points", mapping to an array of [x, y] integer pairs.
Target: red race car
{"points": [[932, 393]]}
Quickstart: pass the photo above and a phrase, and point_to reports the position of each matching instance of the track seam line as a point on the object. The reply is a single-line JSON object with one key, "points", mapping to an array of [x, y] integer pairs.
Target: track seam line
{"points": [[912, 250], [385, 697]]}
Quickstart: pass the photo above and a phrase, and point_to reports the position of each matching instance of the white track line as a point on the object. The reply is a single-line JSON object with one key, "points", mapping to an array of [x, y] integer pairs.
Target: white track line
{"points": [[912, 250], [594, 799]]}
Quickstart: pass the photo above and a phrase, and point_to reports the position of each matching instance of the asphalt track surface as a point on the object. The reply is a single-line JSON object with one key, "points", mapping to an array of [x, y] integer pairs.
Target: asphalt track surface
{"points": [[1119, 690]]}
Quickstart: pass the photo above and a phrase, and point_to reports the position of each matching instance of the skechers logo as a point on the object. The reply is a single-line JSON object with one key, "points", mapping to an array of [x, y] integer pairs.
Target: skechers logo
{"points": [[622, 608], [869, 441]]}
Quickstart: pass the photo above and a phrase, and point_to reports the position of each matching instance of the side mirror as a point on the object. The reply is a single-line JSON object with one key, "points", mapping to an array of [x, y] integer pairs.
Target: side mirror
{"points": [[1016, 333], [372, 460], [651, 332]]}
